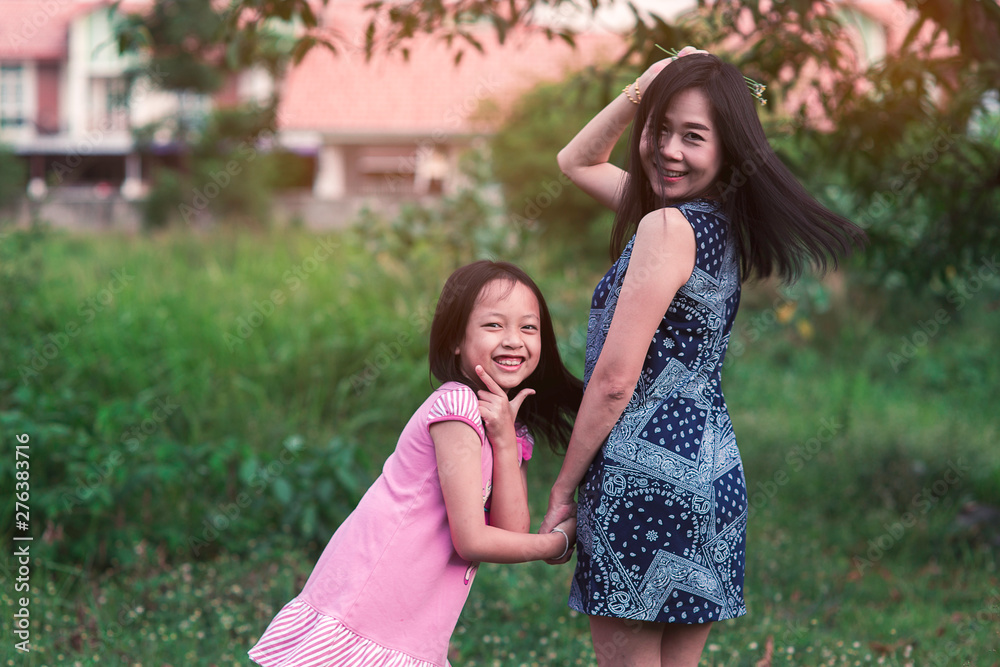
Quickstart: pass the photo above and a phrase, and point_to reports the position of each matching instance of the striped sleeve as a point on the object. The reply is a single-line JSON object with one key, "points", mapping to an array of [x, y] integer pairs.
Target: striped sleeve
{"points": [[459, 403]]}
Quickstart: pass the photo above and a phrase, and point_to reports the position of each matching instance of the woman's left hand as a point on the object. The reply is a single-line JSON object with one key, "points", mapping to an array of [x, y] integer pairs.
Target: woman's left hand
{"points": [[497, 411], [560, 509]]}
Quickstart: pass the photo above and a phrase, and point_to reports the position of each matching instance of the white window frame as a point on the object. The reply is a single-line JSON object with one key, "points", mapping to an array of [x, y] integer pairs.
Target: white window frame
{"points": [[13, 75]]}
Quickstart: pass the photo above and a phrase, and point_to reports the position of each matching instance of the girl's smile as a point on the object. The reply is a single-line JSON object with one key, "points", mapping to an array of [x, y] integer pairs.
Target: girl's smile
{"points": [[502, 334]]}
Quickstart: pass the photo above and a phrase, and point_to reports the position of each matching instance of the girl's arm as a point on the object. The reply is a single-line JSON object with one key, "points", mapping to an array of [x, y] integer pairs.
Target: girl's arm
{"points": [[509, 506], [584, 160], [457, 446], [663, 257]]}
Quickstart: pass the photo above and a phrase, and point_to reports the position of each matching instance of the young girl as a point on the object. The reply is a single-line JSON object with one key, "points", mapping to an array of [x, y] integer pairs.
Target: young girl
{"points": [[392, 582]]}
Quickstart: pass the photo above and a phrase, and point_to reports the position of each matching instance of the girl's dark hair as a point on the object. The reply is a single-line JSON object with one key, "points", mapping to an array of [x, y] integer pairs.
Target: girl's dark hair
{"points": [[778, 225], [550, 412]]}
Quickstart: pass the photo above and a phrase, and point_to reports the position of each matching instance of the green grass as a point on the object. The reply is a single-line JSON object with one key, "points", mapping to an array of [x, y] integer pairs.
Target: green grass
{"points": [[838, 447]]}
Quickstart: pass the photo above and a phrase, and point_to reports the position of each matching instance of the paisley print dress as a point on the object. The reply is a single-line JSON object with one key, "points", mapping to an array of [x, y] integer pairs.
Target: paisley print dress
{"points": [[662, 510]]}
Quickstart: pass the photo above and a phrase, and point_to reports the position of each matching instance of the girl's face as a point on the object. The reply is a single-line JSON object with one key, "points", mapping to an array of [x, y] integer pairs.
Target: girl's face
{"points": [[690, 149], [502, 334]]}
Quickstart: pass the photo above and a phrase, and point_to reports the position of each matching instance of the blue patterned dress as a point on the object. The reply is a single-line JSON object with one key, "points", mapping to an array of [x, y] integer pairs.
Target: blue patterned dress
{"points": [[663, 508]]}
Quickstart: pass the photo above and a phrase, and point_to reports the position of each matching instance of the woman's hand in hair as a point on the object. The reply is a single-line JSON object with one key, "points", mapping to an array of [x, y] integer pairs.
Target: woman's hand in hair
{"points": [[651, 73]]}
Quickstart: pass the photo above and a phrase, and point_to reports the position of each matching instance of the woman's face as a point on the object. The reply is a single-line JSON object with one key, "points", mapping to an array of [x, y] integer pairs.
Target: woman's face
{"points": [[690, 151]]}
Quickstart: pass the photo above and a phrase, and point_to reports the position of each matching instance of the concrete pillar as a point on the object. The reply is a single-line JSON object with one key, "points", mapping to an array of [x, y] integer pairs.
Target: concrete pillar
{"points": [[37, 188], [132, 187], [77, 79], [331, 173]]}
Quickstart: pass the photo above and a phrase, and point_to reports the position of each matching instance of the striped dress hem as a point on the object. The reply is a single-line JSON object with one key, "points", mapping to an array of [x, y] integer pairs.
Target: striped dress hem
{"points": [[302, 636]]}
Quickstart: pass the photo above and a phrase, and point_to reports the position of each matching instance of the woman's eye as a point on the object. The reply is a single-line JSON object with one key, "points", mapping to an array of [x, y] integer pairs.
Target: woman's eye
{"points": [[530, 327], [695, 136]]}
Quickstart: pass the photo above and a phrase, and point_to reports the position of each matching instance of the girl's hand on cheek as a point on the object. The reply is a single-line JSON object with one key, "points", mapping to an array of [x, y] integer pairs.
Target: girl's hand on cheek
{"points": [[499, 413]]}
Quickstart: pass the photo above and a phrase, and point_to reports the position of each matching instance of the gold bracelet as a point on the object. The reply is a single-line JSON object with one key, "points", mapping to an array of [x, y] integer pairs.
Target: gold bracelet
{"points": [[628, 95], [638, 95]]}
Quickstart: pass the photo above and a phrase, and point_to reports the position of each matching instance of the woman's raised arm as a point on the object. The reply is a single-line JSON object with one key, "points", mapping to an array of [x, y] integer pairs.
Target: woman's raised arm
{"points": [[584, 159]]}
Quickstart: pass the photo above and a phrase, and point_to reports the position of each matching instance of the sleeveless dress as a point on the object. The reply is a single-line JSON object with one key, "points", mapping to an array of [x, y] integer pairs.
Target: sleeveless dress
{"points": [[661, 519], [389, 587]]}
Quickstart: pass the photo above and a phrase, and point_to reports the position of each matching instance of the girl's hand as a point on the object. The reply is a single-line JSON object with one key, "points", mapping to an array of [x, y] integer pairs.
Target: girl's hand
{"points": [[497, 412], [647, 77], [569, 527]]}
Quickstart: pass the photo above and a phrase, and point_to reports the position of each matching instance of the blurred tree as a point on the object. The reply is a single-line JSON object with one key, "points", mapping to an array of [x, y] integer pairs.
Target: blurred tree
{"points": [[523, 151], [13, 179], [905, 143], [193, 48]]}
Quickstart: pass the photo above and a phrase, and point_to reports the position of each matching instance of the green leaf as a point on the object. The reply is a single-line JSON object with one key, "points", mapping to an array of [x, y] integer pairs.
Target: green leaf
{"points": [[248, 469], [282, 491], [308, 17], [301, 48], [308, 522]]}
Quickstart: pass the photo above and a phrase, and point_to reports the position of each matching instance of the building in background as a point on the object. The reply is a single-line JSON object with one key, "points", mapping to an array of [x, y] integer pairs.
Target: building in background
{"points": [[66, 106], [395, 127], [63, 104], [388, 128]]}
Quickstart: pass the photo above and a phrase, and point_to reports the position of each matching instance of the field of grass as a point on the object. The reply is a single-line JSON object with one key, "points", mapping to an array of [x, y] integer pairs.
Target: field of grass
{"points": [[165, 380]]}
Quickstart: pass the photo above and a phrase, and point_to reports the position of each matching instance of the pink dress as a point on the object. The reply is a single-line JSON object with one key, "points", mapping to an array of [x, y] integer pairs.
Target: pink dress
{"points": [[389, 587]]}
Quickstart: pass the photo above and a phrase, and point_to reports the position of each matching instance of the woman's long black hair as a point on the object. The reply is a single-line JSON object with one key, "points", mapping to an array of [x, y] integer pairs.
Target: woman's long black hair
{"points": [[550, 412], [778, 225]]}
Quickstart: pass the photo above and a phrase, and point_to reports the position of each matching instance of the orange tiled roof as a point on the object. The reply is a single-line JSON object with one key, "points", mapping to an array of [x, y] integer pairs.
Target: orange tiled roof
{"points": [[33, 30], [428, 95]]}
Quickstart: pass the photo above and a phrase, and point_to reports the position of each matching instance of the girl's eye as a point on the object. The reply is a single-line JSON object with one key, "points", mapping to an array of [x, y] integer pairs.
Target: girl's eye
{"points": [[530, 327], [695, 136]]}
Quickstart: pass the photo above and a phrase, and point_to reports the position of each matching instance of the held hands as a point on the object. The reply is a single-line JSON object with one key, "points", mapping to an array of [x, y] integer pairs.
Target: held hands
{"points": [[497, 411], [647, 77], [561, 514], [569, 528]]}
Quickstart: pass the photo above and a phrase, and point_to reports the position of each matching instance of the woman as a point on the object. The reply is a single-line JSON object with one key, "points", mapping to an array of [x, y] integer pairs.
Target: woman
{"points": [[703, 205]]}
